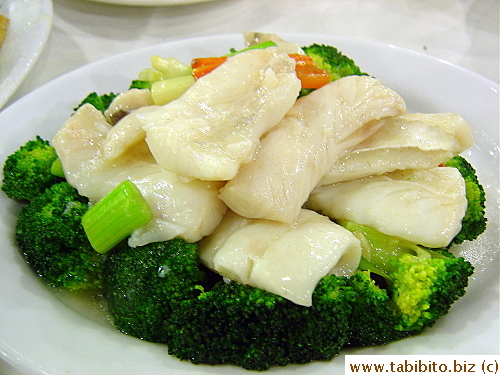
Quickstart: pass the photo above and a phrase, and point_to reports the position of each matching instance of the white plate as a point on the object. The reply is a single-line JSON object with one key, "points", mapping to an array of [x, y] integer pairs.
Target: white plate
{"points": [[151, 2], [29, 26], [40, 334]]}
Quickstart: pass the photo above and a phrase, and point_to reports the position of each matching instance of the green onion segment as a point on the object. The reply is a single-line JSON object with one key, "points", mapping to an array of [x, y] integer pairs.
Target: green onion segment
{"points": [[116, 216]]}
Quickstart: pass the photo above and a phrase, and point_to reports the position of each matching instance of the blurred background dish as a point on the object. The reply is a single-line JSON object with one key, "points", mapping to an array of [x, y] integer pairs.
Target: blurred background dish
{"points": [[30, 22], [150, 2]]}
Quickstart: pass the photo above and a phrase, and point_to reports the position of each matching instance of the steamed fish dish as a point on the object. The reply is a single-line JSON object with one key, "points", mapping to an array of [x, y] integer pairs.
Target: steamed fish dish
{"points": [[263, 208]]}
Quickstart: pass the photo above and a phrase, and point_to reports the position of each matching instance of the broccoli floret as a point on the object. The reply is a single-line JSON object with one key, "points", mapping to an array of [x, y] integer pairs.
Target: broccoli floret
{"points": [[333, 61], [474, 221], [422, 283], [53, 242], [425, 287], [100, 102], [160, 293], [27, 172], [142, 285], [373, 320], [255, 329]]}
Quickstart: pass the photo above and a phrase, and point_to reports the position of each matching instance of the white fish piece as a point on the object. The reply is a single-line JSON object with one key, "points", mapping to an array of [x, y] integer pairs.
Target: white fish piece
{"points": [[423, 206], [409, 141], [75, 144], [186, 209], [284, 259], [215, 126], [296, 154]]}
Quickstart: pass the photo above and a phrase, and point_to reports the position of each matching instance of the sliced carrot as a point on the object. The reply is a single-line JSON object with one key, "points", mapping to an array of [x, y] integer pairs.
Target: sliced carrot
{"points": [[302, 59], [313, 80], [309, 74], [207, 61], [203, 69], [312, 77], [205, 65]]}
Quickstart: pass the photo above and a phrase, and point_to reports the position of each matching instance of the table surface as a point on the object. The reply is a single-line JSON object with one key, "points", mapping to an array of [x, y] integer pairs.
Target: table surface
{"points": [[463, 32]]}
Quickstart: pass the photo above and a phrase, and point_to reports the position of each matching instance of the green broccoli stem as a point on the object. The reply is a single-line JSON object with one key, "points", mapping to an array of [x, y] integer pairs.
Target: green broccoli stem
{"points": [[422, 283], [116, 216], [379, 249]]}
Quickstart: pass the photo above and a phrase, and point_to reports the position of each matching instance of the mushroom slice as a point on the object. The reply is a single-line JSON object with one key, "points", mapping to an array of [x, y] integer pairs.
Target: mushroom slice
{"points": [[254, 37], [126, 102]]}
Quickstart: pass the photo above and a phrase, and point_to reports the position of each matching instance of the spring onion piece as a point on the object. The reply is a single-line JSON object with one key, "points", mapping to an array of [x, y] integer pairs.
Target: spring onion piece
{"points": [[255, 46], [166, 90], [116, 216], [170, 67], [149, 74]]}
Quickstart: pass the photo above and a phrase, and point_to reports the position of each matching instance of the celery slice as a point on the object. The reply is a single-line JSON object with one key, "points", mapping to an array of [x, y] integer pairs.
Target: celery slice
{"points": [[116, 216], [166, 90], [170, 67], [149, 74]]}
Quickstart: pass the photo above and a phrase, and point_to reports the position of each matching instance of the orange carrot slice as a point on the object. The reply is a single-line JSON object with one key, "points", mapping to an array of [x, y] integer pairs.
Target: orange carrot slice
{"points": [[302, 59], [309, 74], [205, 65]]}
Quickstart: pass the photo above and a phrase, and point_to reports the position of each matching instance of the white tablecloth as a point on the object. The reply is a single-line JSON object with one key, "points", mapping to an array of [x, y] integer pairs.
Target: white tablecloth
{"points": [[463, 32]]}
